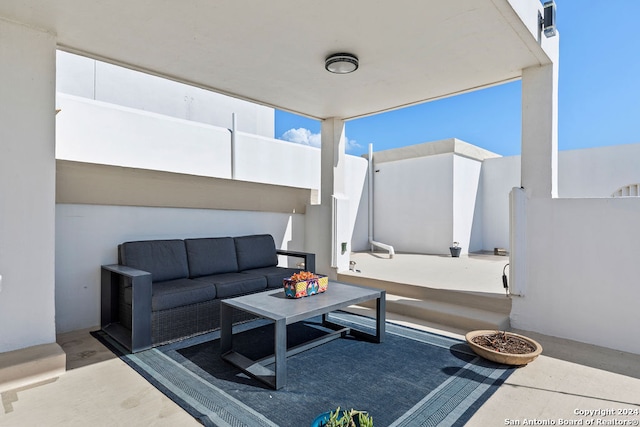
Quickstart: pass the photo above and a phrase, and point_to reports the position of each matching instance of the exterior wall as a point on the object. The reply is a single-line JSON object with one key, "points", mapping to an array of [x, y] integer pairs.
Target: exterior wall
{"points": [[360, 238], [432, 200], [284, 163], [97, 132], [499, 176], [467, 204], [91, 79], [27, 187], [582, 271], [587, 173], [598, 172], [413, 204], [88, 236], [356, 191]]}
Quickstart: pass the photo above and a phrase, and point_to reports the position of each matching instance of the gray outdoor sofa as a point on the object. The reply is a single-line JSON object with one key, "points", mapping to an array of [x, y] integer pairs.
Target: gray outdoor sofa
{"points": [[166, 290]]}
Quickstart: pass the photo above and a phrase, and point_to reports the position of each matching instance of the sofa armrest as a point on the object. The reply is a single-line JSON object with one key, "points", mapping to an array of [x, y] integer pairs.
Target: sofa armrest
{"points": [[309, 258], [140, 336]]}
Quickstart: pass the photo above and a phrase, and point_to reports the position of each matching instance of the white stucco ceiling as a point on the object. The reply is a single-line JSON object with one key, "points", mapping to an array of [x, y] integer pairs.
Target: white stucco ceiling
{"points": [[273, 52]]}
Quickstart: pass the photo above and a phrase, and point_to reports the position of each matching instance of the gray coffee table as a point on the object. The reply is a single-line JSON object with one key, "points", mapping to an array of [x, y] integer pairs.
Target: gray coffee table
{"points": [[274, 305]]}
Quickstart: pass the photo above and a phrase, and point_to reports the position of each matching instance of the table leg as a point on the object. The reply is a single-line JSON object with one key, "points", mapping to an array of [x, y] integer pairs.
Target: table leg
{"points": [[280, 353], [226, 332], [381, 310]]}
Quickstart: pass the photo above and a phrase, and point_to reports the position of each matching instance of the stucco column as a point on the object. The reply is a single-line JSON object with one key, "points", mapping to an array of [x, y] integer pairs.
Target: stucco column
{"points": [[539, 164], [327, 225], [540, 130], [332, 159], [27, 187]]}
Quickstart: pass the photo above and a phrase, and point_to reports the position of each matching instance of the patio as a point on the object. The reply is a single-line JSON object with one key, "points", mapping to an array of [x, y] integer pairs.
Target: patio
{"points": [[221, 47], [100, 389]]}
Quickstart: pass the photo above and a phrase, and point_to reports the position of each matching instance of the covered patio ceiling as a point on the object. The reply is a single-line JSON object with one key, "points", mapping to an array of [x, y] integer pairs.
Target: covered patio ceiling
{"points": [[273, 52]]}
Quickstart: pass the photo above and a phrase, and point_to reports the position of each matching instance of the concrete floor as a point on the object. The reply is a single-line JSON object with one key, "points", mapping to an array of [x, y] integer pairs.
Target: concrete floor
{"points": [[563, 385], [98, 389], [481, 272]]}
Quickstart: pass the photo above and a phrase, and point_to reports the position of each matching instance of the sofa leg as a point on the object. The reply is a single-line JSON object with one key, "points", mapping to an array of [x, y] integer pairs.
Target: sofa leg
{"points": [[139, 338], [141, 314]]}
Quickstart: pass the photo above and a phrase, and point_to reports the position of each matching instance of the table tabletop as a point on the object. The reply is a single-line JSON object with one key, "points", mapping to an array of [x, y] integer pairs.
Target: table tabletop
{"points": [[275, 305]]}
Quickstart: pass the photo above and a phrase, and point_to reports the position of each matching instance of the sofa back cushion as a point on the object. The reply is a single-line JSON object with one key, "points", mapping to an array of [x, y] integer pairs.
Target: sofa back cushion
{"points": [[164, 259], [255, 251], [211, 256]]}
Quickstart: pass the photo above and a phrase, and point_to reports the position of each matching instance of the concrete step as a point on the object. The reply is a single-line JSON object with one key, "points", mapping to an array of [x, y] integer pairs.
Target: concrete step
{"points": [[451, 315], [457, 309], [498, 303], [30, 365]]}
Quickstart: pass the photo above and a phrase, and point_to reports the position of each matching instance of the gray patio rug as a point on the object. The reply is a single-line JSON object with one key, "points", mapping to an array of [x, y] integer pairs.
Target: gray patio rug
{"points": [[413, 378]]}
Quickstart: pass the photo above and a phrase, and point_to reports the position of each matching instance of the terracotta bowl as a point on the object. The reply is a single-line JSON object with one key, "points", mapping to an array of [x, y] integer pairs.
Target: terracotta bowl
{"points": [[505, 358]]}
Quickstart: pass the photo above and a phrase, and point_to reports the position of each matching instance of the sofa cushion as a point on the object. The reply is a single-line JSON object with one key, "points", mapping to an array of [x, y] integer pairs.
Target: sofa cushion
{"points": [[234, 284], [274, 275], [164, 259], [211, 256], [176, 293], [255, 251]]}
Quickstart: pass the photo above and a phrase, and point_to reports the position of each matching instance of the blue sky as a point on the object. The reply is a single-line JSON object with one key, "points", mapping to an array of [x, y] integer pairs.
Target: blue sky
{"points": [[599, 95]]}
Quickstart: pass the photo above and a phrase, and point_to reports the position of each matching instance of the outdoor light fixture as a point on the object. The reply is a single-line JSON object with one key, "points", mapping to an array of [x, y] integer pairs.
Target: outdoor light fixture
{"points": [[548, 22], [341, 63]]}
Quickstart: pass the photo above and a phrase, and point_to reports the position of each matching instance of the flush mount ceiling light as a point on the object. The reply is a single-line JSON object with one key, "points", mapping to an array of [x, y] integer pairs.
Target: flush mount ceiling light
{"points": [[341, 63]]}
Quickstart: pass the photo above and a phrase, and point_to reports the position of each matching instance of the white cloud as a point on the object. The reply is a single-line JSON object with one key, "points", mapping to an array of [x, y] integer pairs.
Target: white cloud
{"points": [[306, 137], [302, 136], [352, 144]]}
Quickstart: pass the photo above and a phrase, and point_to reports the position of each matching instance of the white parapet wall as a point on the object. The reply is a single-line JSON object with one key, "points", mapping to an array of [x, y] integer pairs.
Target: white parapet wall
{"points": [[100, 81], [102, 133], [581, 268], [585, 173], [284, 163], [98, 132]]}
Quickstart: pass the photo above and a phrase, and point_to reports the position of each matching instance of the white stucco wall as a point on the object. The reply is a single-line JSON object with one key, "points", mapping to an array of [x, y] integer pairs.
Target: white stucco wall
{"points": [[586, 173], [467, 204], [87, 237], [356, 190], [98, 132], [413, 204], [424, 204], [360, 237], [91, 79], [499, 176], [582, 280], [27, 186], [598, 172], [283, 163]]}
